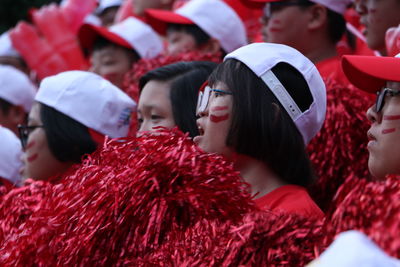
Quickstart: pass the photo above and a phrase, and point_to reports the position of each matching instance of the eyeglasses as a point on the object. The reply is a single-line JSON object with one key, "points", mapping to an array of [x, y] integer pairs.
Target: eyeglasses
{"points": [[204, 97], [24, 131], [276, 6], [380, 99]]}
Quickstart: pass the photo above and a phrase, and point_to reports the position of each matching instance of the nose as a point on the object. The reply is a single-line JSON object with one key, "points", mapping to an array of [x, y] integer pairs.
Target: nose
{"points": [[372, 115]]}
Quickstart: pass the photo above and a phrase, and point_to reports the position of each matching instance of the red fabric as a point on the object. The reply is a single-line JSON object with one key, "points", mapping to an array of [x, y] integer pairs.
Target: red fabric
{"points": [[291, 199], [331, 70]]}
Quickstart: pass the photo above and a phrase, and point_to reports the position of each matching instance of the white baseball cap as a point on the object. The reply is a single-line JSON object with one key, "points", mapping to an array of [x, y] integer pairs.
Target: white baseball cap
{"points": [[338, 6], [214, 17], [16, 87], [131, 33], [104, 4], [89, 99], [10, 156], [353, 248], [262, 57], [6, 47]]}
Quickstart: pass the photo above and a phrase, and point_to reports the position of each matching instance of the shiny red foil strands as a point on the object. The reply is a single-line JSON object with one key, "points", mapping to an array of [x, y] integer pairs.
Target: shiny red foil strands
{"points": [[131, 82], [340, 149], [372, 207], [260, 239], [126, 201]]}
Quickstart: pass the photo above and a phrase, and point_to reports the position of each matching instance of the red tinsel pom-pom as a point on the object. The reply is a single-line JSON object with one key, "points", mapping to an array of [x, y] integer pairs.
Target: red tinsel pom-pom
{"points": [[127, 200], [372, 207], [340, 149]]}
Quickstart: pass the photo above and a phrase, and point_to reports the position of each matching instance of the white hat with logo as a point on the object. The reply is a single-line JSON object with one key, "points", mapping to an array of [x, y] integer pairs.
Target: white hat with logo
{"points": [[89, 99], [10, 156]]}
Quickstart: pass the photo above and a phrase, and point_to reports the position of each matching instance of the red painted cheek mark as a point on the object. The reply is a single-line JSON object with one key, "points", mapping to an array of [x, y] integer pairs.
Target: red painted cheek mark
{"points": [[30, 145], [32, 158], [218, 108], [275, 25], [391, 117], [387, 131], [217, 119]]}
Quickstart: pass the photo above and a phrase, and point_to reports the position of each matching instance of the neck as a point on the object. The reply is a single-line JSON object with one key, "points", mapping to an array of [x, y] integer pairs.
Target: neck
{"points": [[319, 49], [261, 179]]}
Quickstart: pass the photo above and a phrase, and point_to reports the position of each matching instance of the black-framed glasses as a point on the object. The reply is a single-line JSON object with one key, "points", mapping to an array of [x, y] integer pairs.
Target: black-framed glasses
{"points": [[24, 131], [272, 7], [380, 98]]}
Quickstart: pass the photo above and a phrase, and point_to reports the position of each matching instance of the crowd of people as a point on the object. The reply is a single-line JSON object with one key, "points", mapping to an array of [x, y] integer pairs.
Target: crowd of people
{"points": [[201, 133]]}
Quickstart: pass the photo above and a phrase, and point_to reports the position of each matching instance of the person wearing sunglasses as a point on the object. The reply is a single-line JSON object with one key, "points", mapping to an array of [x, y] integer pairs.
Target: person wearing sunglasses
{"points": [[380, 76], [259, 109], [72, 113]]}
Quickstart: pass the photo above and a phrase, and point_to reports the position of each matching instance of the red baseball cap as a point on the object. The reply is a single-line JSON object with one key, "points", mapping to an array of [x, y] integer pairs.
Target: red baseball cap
{"points": [[130, 33], [214, 17], [370, 73]]}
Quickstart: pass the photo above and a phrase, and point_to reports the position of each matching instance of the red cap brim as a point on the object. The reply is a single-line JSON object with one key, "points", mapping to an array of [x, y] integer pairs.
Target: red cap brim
{"points": [[370, 73], [158, 19], [88, 34]]}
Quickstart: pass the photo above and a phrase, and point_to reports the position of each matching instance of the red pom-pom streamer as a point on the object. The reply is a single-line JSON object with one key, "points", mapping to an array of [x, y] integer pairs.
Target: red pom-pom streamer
{"points": [[340, 149]]}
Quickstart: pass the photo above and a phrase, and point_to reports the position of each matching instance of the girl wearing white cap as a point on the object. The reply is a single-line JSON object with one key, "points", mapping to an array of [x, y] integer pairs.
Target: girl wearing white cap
{"points": [[260, 109], [72, 114]]}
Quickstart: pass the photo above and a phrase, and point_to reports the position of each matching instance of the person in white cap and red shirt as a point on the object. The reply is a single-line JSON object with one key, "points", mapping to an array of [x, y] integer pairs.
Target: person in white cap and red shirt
{"points": [[16, 97], [314, 27], [261, 107], [204, 25], [10, 158], [107, 10], [113, 51], [10, 56], [73, 113]]}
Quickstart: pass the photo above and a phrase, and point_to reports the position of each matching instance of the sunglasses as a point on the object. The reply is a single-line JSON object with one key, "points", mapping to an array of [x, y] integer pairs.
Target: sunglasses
{"points": [[24, 132], [276, 6], [380, 99], [204, 97]]}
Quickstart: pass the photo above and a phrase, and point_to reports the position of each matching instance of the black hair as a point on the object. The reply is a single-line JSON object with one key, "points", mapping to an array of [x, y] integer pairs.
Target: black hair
{"points": [[5, 106], [336, 22], [186, 79], [200, 36], [101, 42], [68, 139], [261, 127]]}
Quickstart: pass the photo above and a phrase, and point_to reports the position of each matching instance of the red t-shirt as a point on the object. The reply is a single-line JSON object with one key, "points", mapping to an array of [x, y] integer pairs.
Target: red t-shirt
{"points": [[290, 199], [331, 70]]}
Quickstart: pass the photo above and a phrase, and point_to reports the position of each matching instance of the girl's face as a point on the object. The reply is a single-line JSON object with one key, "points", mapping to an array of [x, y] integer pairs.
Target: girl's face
{"points": [[384, 135], [214, 123], [39, 162], [112, 63], [180, 42], [154, 108]]}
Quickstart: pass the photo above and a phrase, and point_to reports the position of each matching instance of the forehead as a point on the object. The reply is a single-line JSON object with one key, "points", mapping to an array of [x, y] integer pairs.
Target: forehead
{"points": [[155, 93]]}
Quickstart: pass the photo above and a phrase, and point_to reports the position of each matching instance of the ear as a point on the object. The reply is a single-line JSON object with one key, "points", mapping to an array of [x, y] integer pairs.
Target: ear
{"points": [[213, 46], [18, 115], [318, 17]]}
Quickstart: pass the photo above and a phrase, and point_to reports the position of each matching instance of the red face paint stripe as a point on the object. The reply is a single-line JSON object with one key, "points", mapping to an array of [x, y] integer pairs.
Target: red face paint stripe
{"points": [[386, 131], [218, 108], [30, 145], [391, 117], [217, 119], [32, 158]]}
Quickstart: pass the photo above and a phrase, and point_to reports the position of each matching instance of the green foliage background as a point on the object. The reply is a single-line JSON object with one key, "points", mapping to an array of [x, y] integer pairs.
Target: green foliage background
{"points": [[12, 11]]}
